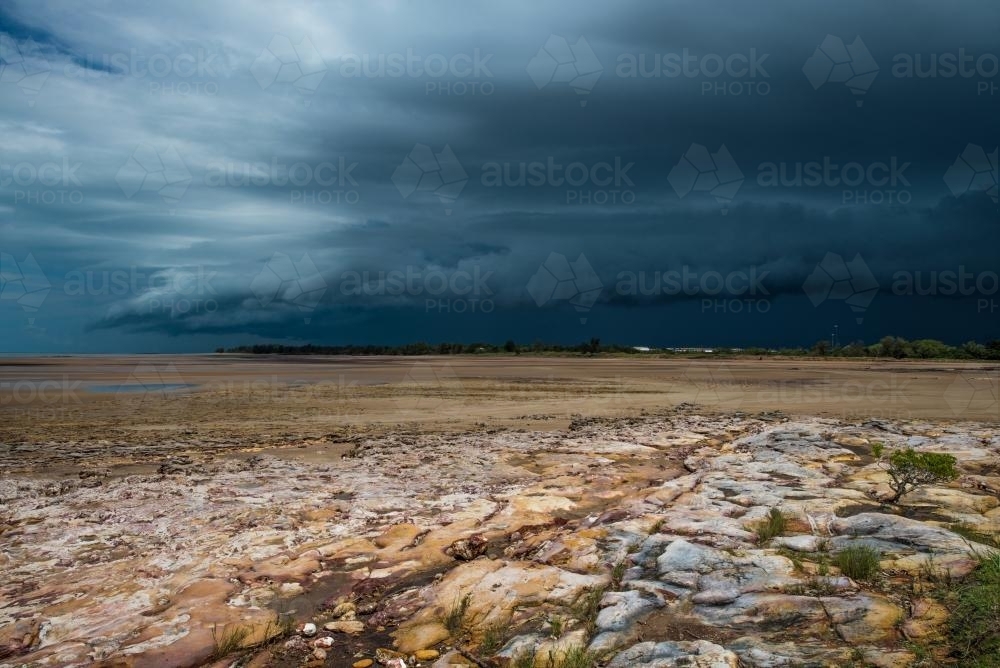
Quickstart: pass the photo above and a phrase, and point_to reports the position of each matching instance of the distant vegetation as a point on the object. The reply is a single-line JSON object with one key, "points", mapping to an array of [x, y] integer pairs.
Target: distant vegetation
{"points": [[890, 347]]}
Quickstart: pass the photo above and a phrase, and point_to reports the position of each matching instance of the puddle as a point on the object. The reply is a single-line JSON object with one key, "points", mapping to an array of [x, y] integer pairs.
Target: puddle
{"points": [[347, 649], [858, 508]]}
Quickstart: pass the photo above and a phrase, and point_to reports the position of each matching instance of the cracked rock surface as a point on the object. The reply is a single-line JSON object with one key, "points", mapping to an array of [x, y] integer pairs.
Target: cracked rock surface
{"points": [[635, 537]]}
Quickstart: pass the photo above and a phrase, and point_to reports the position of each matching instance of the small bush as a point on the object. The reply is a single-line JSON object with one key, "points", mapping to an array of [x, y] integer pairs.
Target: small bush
{"points": [[456, 616], [859, 562], [974, 630], [773, 525], [909, 469]]}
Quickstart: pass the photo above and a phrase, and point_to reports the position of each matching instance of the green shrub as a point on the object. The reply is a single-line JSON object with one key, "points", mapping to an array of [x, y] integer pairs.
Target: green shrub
{"points": [[909, 469], [975, 618], [773, 525], [859, 562]]}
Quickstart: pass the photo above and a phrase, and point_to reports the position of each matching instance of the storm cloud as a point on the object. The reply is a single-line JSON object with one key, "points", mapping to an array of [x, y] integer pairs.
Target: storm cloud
{"points": [[189, 175]]}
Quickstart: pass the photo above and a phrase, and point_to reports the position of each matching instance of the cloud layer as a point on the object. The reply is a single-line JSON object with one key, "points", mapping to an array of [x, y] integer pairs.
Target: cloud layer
{"points": [[200, 175]]}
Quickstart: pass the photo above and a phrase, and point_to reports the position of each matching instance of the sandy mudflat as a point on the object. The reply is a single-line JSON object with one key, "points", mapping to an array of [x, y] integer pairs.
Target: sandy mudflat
{"points": [[149, 500]]}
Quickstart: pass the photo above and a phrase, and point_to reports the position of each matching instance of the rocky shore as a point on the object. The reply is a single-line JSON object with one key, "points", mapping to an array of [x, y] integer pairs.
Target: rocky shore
{"points": [[631, 541]]}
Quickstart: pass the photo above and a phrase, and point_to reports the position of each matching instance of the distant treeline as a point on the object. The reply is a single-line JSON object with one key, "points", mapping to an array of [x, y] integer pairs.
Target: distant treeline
{"points": [[890, 346]]}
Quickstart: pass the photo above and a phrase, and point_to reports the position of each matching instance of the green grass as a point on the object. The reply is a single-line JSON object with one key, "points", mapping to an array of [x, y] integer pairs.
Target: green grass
{"points": [[229, 639], [556, 622], [456, 616], [525, 659], [618, 574], [773, 525], [495, 635], [975, 618], [859, 562], [970, 533], [578, 657], [587, 608]]}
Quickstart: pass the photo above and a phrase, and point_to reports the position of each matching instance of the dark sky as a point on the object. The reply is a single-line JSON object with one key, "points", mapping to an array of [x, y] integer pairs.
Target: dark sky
{"points": [[189, 175]]}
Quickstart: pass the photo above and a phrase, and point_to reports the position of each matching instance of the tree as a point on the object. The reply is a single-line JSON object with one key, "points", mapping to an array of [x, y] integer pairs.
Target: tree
{"points": [[821, 348], [909, 469], [592, 347], [510, 346]]}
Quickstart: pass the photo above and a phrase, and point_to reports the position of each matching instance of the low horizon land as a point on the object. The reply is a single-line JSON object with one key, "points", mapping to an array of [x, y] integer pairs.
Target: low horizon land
{"points": [[454, 391]]}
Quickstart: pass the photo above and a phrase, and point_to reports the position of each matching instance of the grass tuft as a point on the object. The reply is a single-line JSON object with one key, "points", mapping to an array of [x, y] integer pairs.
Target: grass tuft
{"points": [[773, 525], [859, 562], [456, 616], [970, 533], [495, 635], [525, 659], [556, 622], [578, 657], [618, 574], [229, 639], [974, 631], [588, 607]]}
